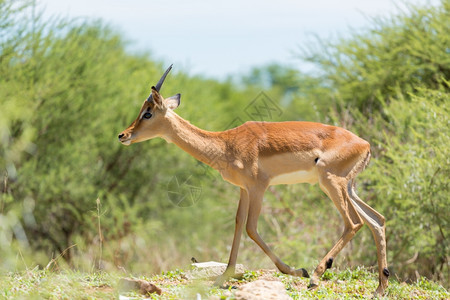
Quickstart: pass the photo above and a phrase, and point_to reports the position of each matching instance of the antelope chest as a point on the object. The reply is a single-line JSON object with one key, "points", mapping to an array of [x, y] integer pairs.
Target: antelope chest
{"points": [[303, 176]]}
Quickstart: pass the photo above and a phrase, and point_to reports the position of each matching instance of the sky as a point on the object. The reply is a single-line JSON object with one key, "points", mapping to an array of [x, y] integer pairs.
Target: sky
{"points": [[222, 38]]}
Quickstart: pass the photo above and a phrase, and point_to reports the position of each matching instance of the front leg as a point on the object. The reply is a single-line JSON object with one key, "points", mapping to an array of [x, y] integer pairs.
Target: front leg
{"points": [[241, 216], [255, 204]]}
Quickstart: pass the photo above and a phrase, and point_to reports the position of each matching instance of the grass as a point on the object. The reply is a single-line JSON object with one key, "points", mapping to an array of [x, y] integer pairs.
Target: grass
{"points": [[345, 284], [38, 284]]}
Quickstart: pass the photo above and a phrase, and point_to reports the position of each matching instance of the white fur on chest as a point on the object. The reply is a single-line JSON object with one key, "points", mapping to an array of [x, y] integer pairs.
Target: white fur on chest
{"points": [[303, 176]]}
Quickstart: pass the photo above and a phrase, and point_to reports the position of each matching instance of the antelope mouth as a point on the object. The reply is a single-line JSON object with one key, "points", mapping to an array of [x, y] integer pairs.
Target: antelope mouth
{"points": [[126, 142]]}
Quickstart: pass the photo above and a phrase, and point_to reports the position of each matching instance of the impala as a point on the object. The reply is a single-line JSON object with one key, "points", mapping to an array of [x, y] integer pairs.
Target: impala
{"points": [[256, 155]]}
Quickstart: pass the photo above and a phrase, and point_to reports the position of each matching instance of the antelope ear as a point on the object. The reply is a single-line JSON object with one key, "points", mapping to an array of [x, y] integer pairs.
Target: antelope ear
{"points": [[157, 98], [173, 102]]}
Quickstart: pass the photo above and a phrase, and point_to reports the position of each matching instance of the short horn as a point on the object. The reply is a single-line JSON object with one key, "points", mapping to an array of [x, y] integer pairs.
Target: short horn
{"points": [[160, 82]]}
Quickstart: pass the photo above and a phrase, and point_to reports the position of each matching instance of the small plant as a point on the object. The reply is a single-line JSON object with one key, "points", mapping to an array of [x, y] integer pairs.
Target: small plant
{"points": [[328, 275], [250, 275], [176, 274]]}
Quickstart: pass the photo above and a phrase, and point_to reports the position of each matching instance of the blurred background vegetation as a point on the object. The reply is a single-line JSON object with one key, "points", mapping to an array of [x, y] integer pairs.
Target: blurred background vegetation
{"points": [[69, 191]]}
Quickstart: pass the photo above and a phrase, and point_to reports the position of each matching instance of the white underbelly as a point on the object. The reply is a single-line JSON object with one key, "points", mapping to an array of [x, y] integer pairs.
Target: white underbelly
{"points": [[309, 176]]}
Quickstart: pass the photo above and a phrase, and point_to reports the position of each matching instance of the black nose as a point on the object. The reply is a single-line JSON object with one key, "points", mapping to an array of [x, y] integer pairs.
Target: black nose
{"points": [[121, 135]]}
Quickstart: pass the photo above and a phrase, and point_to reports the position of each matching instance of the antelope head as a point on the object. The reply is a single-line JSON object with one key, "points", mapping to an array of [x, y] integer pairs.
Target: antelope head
{"points": [[152, 118]]}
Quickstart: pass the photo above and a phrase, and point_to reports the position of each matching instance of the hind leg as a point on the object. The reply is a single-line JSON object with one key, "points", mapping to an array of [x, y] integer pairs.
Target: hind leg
{"points": [[336, 189], [376, 223]]}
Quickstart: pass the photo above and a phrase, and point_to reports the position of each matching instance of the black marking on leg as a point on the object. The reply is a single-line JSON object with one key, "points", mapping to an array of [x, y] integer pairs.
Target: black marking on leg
{"points": [[316, 160], [386, 272], [304, 273], [329, 262]]}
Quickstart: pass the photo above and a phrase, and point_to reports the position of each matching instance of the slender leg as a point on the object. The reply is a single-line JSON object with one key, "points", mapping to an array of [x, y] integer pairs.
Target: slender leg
{"points": [[336, 189], [376, 223], [255, 204], [241, 214]]}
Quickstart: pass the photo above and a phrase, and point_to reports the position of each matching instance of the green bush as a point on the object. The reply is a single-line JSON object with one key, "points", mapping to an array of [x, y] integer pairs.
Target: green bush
{"points": [[409, 181]]}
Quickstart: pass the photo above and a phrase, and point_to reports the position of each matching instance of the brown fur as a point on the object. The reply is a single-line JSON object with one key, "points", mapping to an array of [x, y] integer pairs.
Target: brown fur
{"points": [[252, 155]]}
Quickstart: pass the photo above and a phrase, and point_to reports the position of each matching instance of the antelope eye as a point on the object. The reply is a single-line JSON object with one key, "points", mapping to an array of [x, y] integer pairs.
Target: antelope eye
{"points": [[147, 115]]}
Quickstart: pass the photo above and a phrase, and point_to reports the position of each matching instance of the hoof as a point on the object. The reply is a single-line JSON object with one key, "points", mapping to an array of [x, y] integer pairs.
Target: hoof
{"points": [[377, 295], [312, 286], [301, 273], [219, 282], [380, 291]]}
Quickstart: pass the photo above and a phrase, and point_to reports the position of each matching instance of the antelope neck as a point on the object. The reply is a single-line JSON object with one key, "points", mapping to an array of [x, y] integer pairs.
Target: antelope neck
{"points": [[205, 146]]}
